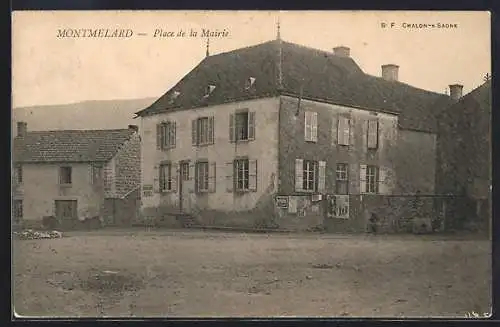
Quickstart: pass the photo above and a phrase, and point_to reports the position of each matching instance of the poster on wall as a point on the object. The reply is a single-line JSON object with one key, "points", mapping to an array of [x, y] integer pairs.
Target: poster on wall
{"points": [[282, 202], [147, 190]]}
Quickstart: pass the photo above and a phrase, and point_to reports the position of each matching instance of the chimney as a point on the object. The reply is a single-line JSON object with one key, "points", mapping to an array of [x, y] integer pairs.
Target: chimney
{"points": [[456, 91], [342, 51], [22, 128], [135, 128], [390, 72]]}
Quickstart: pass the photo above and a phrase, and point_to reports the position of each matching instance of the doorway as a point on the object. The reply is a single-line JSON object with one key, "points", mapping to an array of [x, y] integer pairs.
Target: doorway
{"points": [[66, 212]]}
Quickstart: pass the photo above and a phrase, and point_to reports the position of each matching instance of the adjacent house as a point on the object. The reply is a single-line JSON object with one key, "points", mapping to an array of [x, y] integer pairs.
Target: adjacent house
{"points": [[279, 134], [74, 175], [464, 152]]}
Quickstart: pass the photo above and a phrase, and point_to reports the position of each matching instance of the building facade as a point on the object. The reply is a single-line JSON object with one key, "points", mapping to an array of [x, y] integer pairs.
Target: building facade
{"points": [[286, 136], [74, 175]]}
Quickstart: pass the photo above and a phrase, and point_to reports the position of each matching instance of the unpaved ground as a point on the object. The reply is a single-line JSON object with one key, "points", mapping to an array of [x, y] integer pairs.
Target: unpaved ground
{"points": [[228, 274]]}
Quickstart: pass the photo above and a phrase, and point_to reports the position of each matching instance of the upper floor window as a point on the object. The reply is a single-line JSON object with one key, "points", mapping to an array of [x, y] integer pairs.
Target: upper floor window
{"points": [[343, 130], [165, 135], [372, 134], [203, 131], [311, 126], [96, 174], [65, 175], [19, 174], [242, 126], [174, 96], [342, 178]]}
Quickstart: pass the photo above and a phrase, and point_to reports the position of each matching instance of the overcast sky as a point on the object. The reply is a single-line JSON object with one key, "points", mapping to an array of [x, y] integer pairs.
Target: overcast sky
{"points": [[51, 70]]}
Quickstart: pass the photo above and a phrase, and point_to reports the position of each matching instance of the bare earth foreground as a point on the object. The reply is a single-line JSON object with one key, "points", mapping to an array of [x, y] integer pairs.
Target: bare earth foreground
{"points": [[195, 273]]}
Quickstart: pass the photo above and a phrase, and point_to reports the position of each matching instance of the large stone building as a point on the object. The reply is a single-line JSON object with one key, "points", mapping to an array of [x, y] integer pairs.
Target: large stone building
{"points": [[464, 153], [75, 175], [264, 134]]}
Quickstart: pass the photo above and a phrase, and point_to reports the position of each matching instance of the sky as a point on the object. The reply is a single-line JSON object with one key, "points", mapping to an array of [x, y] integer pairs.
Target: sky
{"points": [[51, 70]]}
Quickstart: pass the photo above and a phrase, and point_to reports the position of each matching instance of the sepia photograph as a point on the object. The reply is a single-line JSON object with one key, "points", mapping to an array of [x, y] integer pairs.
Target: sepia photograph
{"points": [[251, 164]]}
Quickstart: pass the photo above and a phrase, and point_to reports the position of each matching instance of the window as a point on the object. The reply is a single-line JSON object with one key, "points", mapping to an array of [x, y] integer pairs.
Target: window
{"points": [[311, 126], [202, 176], [65, 175], [185, 171], [310, 175], [96, 174], [165, 177], [242, 175], [372, 179], [372, 134], [342, 178], [108, 176], [242, 126], [19, 174], [18, 210], [203, 131], [249, 83], [344, 130], [208, 90], [165, 135]]}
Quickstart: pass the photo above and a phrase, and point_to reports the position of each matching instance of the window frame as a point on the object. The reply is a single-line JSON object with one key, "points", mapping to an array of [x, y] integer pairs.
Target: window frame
{"points": [[62, 180], [202, 176], [372, 176], [244, 128], [370, 134], [165, 177], [310, 167], [167, 135], [18, 209], [342, 178], [243, 165], [343, 134]]}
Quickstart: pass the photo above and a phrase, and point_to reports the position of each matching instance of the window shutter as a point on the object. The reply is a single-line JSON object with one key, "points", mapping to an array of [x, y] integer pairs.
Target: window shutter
{"points": [[299, 174], [335, 128], [211, 177], [351, 131], [193, 179], [346, 130], [158, 136], [232, 128], [174, 134], [252, 175], [307, 126], [314, 126], [372, 134], [362, 178], [251, 125], [211, 130], [156, 180], [194, 134], [229, 176], [383, 186], [321, 176], [174, 176]]}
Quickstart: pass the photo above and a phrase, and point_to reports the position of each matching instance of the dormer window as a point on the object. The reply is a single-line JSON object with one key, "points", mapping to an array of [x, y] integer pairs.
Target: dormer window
{"points": [[210, 88], [174, 96], [249, 83]]}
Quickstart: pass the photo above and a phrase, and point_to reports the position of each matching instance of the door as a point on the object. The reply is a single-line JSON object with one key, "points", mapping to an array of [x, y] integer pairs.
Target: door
{"points": [[185, 186], [66, 212]]}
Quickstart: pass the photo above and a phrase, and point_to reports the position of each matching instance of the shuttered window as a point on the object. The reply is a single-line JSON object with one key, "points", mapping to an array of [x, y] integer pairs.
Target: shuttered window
{"points": [[372, 134], [202, 177], [65, 175], [167, 177], [310, 176], [166, 135], [203, 131], [242, 126], [343, 130], [342, 178], [311, 126], [243, 177], [372, 179]]}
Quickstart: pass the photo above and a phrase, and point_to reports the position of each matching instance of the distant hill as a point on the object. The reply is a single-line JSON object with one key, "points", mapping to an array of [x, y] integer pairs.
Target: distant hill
{"points": [[95, 114]]}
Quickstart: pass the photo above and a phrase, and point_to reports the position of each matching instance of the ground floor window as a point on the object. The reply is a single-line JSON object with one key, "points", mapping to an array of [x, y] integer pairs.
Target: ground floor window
{"points": [[165, 177], [372, 176], [310, 173], [202, 176]]}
